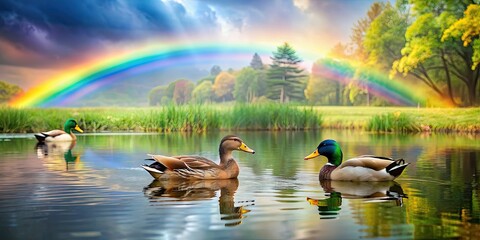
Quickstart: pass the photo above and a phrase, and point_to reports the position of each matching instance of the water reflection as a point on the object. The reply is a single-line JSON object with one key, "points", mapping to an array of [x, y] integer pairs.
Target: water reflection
{"points": [[197, 190], [367, 191], [52, 153]]}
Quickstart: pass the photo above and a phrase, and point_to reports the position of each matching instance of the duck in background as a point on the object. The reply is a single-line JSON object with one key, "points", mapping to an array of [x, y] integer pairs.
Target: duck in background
{"points": [[60, 135]]}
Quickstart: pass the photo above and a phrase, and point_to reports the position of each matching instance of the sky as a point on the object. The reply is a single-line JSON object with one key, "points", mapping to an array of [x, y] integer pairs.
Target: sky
{"points": [[40, 39]]}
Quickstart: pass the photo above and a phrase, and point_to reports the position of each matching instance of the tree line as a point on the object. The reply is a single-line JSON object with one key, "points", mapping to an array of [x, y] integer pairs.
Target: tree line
{"points": [[282, 81], [434, 44]]}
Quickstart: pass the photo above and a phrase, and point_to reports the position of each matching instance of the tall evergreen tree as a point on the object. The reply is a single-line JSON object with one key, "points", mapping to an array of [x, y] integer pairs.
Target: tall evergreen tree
{"points": [[256, 62], [286, 80], [215, 70]]}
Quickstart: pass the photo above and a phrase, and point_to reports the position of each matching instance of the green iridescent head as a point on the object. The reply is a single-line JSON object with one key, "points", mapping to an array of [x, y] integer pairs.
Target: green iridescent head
{"points": [[330, 149], [71, 124]]}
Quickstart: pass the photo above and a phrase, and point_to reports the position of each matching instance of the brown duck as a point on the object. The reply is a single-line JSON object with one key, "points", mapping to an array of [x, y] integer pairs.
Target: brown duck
{"points": [[197, 167]]}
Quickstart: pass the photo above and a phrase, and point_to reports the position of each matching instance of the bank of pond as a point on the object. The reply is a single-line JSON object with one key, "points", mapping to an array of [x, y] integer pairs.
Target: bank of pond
{"points": [[199, 118]]}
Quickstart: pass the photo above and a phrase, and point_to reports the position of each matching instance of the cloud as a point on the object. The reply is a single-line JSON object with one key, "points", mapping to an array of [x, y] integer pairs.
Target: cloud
{"points": [[60, 30], [56, 33]]}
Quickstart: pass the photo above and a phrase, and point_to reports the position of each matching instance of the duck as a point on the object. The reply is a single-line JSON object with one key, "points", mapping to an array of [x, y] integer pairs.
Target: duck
{"points": [[365, 168], [197, 167], [60, 135]]}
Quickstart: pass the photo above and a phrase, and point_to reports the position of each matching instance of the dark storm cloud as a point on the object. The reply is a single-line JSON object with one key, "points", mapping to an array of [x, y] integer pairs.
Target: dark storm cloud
{"points": [[58, 29]]}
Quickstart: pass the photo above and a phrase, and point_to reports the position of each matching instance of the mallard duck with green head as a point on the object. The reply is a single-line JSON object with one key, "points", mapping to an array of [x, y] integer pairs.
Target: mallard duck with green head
{"points": [[197, 167], [361, 168], [60, 135]]}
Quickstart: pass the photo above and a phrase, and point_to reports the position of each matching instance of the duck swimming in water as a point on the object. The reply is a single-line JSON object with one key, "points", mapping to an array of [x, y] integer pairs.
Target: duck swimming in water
{"points": [[59, 135], [361, 168], [196, 167]]}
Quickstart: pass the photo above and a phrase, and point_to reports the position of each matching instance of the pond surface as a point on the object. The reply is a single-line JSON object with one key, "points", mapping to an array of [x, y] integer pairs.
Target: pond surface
{"points": [[97, 190]]}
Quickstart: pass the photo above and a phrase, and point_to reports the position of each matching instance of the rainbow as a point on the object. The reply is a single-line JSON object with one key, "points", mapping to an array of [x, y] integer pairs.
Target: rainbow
{"points": [[76, 83], [73, 84], [377, 83]]}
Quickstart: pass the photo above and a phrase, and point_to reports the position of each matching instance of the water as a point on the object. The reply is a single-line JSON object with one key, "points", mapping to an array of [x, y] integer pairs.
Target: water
{"points": [[96, 190]]}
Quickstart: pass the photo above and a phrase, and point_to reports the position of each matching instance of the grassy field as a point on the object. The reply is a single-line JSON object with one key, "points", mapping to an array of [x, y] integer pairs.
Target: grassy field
{"points": [[243, 117], [421, 119]]}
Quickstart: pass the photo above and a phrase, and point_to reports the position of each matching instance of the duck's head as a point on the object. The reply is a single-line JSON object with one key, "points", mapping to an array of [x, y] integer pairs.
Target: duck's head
{"points": [[330, 149], [232, 142], [71, 124]]}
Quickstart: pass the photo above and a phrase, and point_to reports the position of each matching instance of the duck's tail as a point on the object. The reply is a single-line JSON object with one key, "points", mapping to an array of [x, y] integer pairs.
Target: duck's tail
{"points": [[155, 169], [396, 167], [40, 137]]}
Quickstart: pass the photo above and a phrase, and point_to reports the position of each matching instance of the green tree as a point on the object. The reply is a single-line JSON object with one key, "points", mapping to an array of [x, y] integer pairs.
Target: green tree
{"points": [[360, 29], [468, 29], [286, 80], [425, 55], [256, 62], [8, 91], [322, 88], [158, 95], [203, 92], [250, 84], [223, 86]]}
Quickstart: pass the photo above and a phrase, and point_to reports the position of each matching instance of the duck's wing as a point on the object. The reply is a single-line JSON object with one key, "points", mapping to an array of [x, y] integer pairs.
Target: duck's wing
{"points": [[368, 161], [182, 162], [54, 133]]}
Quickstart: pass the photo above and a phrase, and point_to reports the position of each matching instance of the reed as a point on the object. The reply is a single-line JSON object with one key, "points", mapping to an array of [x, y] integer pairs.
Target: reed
{"points": [[201, 118], [392, 122], [169, 118]]}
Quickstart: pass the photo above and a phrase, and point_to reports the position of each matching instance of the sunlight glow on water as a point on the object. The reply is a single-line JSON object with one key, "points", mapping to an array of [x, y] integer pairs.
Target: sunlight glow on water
{"points": [[97, 189]]}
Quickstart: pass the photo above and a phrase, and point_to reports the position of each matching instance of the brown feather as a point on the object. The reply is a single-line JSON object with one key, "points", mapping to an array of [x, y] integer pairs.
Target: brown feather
{"points": [[169, 162]]}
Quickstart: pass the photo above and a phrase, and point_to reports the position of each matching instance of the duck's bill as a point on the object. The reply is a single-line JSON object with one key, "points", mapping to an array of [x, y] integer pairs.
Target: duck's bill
{"points": [[245, 148], [78, 129], [312, 155]]}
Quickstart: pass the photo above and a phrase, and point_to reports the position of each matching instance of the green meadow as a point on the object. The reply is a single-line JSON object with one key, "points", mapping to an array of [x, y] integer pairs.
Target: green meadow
{"points": [[200, 118]]}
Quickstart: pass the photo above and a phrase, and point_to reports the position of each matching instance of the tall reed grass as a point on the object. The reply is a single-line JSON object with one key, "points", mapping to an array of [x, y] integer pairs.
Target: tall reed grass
{"points": [[392, 122], [163, 119]]}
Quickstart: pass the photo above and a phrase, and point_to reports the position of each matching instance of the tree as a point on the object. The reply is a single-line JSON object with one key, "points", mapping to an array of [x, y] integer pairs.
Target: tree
{"points": [[158, 95], [215, 71], [468, 29], [182, 92], [203, 92], [256, 62], [425, 54], [8, 91], [286, 80], [223, 86], [178, 92], [323, 85], [361, 27], [249, 85]]}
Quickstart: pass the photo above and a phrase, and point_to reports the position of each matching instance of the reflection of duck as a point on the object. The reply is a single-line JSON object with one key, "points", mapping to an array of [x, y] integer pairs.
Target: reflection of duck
{"points": [[200, 190], [361, 168], [368, 191], [196, 167], [53, 150], [60, 135], [371, 191]]}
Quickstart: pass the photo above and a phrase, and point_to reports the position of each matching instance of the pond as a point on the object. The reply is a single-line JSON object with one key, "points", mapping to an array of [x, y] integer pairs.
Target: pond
{"points": [[97, 189]]}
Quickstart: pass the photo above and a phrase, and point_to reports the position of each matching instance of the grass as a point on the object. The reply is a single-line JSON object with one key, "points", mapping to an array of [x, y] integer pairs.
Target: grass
{"points": [[423, 119], [162, 119], [243, 117]]}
